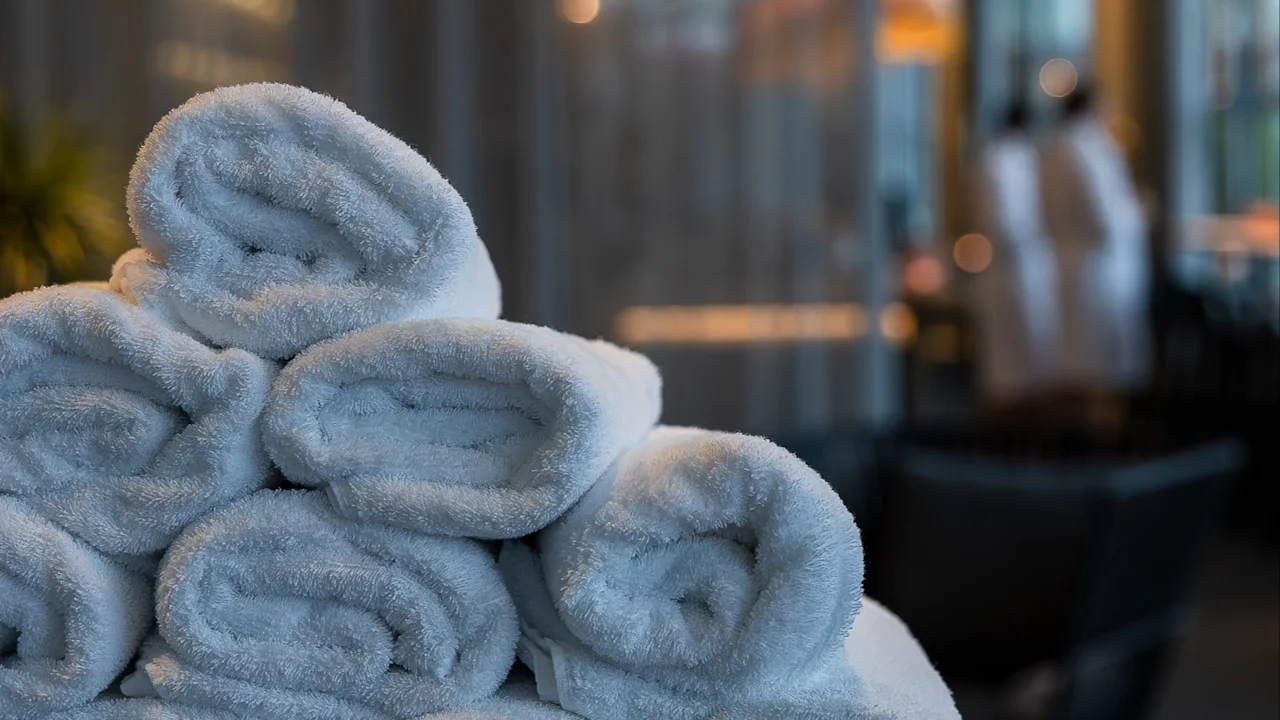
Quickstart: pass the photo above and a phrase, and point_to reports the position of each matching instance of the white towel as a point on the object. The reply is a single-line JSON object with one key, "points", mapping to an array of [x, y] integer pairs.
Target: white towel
{"points": [[120, 709], [273, 218], [276, 607], [118, 429], [706, 572], [517, 700], [477, 428], [70, 619]]}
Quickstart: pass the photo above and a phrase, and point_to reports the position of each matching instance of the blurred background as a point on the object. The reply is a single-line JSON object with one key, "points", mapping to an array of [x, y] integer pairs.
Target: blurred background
{"points": [[874, 230]]}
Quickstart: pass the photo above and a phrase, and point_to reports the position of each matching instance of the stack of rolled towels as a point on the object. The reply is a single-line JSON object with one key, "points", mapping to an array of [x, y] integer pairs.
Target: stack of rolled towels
{"points": [[289, 464]]}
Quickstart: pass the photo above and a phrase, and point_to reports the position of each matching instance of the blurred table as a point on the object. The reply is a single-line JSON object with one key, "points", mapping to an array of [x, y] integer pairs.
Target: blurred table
{"points": [[1233, 263]]}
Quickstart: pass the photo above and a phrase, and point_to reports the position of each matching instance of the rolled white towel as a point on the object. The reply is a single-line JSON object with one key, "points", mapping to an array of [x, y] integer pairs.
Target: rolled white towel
{"points": [[70, 619], [705, 574], [272, 217], [117, 428], [149, 709], [516, 700], [275, 607], [475, 428]]}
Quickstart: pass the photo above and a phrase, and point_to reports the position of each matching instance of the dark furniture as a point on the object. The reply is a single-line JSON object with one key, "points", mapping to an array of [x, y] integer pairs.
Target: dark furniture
{"points": [[1006, 549]]}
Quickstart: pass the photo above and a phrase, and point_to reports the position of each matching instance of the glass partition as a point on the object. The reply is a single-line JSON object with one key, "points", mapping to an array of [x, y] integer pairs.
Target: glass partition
{"points": [[1244, 77], [712, 164]]}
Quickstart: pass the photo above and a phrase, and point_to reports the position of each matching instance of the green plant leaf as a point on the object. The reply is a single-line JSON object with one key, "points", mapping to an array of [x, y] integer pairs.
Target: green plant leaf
{"points": [[53, 226]]}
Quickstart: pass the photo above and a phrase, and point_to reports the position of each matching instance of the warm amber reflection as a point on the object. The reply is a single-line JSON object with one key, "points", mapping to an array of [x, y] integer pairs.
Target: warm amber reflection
{"points": [[740, 324], [972, 253], [580, 11], [1059, 77], [898, 323]]}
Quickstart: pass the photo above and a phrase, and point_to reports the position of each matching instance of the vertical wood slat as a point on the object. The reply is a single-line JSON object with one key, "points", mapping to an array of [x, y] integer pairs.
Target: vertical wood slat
{"points": [[31, 40], [759, 148], [454, 106], [876, 390], [811, 396], [544, 232]]}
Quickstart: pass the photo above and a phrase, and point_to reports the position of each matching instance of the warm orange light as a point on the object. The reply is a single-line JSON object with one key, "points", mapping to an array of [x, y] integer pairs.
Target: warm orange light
{"points": [[193, 62], [740, 324], [908, 42], [1262, 228], [580, 12], [1059, 77], [917, 31], [924, 275], [275, 12], [898, 323], [972, 253]]}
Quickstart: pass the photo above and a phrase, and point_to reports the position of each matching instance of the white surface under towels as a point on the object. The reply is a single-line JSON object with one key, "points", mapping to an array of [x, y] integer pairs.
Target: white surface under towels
{"points": [[475, 428], [118, 428], [516, 700], [895, 678], [271, 217]]}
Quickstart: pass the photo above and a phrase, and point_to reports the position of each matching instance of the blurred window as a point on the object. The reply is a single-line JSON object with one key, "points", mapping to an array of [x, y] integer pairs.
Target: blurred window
{"points": [[1041, 48], [714, 191], [1244, 82]]}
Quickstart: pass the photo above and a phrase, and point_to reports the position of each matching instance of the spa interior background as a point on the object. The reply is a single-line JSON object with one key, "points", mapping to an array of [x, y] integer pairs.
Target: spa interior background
{"points": [[772, 198]]}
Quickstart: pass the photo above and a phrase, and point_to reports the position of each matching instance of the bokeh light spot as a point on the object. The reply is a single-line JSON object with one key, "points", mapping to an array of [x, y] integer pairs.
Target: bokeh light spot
{"points": [[1058, 77], [580, 12], [898, 323], [972, 253], [924, 275]]}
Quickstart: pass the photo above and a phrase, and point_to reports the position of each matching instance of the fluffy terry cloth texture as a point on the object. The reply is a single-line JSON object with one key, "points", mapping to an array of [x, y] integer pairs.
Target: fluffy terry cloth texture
{"points": [[276, 607], [117, 709], [475, 428], [514, 701], [271, 218], [70, 619], [705, 573], [117, 428]]}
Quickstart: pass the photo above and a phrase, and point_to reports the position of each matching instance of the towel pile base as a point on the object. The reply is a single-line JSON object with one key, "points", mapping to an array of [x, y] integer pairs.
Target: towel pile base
{"points": [[290, 464]]}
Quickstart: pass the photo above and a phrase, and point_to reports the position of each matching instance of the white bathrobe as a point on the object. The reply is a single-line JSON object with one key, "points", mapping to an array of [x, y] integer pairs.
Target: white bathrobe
{"points": [[1096, 219], [1015, 299]]}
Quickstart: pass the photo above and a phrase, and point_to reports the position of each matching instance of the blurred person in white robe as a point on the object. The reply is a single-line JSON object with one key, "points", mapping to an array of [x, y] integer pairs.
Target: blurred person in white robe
{"points": [[1098, 224], [1015, 297]]}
